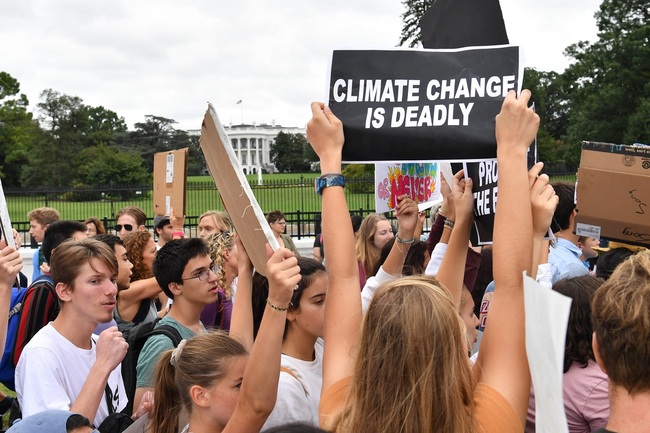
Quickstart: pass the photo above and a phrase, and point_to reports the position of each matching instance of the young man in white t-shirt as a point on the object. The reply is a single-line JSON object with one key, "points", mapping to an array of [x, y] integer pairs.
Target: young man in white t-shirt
{"points": [[65, 366]]}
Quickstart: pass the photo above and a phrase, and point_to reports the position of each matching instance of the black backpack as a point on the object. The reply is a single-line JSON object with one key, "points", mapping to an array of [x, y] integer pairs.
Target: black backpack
{"points": [[137, 337]]}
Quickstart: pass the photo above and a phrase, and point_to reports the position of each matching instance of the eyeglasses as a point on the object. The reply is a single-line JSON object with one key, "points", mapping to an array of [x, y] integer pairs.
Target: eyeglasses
{"points": [[282, 223], [127, 227], [202, 276]]}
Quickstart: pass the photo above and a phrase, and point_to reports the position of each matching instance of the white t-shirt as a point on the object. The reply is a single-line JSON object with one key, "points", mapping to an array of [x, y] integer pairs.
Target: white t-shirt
{"points": [[51, 372], [298, 399]]}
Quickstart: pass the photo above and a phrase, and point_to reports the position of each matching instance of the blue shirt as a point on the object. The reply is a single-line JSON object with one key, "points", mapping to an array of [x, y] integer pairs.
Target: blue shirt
{"points": [[564, 257]]}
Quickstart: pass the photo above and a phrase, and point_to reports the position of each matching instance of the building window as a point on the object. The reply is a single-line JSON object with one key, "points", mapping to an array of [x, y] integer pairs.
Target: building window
{"points": [[244, 143], [234, 143], [244, 160]]}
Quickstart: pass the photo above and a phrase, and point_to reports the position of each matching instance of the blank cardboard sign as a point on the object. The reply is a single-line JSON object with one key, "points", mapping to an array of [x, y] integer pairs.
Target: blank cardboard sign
{"points": [[236, 194], [169, 181]]}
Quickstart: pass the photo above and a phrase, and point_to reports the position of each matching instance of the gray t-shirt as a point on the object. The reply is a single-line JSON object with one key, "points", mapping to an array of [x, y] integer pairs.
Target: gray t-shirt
{"points": [[153, 348]]}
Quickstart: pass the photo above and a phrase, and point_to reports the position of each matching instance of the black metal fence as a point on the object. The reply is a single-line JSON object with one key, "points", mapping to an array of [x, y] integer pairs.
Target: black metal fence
{"points": [[294, 197]]}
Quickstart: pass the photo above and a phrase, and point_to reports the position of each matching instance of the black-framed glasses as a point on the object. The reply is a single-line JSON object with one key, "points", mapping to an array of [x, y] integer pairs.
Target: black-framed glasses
{"points": [[127, 227], [202, 276]]}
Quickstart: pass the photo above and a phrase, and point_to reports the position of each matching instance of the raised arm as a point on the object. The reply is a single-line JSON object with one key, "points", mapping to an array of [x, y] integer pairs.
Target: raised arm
{"points": [[241, 324], [502, 361], [10, 265], [343, 306], [452, 268], [260, 384], [543, 202]]}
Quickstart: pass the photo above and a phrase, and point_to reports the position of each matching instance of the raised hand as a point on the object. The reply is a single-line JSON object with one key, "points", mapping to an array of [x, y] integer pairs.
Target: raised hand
{"points": [[543, 201], [325, 134], [283, 274], [516, 124], [407, 216], [10, 265], [461, 196]]}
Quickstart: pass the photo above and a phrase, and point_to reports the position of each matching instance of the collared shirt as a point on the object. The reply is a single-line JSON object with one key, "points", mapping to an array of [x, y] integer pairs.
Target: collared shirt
{"points": [[565, 259]]}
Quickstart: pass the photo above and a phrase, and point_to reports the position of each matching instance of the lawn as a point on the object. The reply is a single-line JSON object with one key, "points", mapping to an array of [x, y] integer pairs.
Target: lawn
{"points": [[285, 192]]}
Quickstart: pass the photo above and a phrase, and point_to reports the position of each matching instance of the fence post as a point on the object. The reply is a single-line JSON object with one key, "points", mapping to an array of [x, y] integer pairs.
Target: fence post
{"points": [[299, 223], [318, 220]]}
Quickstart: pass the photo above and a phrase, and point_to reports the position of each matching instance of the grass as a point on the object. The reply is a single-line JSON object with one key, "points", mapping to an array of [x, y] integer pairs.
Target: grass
{"points": [[201, 196]]}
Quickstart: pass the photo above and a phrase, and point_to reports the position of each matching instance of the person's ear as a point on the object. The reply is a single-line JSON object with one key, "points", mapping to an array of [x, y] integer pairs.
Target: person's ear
{"points": [[594, 345], [175, 289], [142, 228], [291, 315], [64, 292], [200, 396]]}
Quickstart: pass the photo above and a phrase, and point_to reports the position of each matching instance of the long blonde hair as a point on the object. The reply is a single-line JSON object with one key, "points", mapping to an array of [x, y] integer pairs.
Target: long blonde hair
{"points": [[218, 244], [367, 254], [411, 373]]}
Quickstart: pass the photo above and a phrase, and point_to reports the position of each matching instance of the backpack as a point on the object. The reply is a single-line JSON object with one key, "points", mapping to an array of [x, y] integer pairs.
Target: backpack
{"points": [[7, 368], [40, 307], [137, 337]]}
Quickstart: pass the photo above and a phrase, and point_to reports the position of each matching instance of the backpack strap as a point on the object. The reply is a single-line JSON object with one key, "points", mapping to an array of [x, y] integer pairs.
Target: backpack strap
{"points": [[169, 332], [292, 374]]}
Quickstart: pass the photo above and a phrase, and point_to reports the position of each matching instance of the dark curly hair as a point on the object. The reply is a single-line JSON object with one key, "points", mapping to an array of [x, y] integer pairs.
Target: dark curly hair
{"points": [[135, 243], [577, 347]]}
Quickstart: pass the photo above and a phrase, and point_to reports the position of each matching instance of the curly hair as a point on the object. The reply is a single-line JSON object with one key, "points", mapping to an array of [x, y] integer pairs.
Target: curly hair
{"points": [[218, 244], [578, 347], [135, 243]]}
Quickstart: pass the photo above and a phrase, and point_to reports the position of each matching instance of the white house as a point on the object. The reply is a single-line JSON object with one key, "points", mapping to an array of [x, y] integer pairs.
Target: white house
{"points": [[252, 144]]}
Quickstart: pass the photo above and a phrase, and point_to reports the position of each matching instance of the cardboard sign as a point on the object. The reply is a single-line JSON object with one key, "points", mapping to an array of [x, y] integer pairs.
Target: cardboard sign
{"points": [[236, 193], [5, 222], [169, 181], [420, 181], [422, 105], [613, 193]]}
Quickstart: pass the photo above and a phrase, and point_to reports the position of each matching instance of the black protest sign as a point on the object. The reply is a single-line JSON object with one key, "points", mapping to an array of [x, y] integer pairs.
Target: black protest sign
{"points": [[415, 105], [485, 176], [463, 23]]}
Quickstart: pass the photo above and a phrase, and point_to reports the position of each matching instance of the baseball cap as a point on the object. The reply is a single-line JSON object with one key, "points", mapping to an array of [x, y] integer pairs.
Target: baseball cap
{"points": [[160, 220], [50, 421]]}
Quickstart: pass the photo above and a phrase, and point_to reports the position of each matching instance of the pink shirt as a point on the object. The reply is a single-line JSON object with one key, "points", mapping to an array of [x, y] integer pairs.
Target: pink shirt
{"points": [[586, 399]]}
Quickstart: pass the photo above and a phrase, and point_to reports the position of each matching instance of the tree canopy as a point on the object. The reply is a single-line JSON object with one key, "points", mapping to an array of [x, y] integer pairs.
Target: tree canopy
{"points": [[288, 153]]}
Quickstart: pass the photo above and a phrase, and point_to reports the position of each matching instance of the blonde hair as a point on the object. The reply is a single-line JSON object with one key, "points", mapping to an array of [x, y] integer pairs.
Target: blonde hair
{"points": [[44, 215], [367, 254], [221, 220], [411, 372], [621, 321], [218, 244], [202, 361]]}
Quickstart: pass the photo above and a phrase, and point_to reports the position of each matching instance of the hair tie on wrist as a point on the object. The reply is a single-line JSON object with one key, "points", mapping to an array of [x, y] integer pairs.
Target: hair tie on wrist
{"points": [[275, 307], [176, 354], [404, 241]]}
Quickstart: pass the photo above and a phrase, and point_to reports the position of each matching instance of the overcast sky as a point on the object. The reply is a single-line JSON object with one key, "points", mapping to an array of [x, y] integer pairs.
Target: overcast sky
{"points": [[169, 57]]}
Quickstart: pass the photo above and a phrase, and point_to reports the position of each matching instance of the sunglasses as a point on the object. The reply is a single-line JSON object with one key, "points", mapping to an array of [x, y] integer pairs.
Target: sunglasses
{"points": [[127, 227]]}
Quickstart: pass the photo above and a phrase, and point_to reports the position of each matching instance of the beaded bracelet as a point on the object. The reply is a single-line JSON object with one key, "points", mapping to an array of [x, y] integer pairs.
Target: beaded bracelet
{"points": [[404, 241], [450, 224], [178, 233], [276, 308]]}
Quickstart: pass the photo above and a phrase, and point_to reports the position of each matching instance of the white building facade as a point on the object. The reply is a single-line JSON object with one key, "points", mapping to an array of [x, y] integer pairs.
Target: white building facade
{"points": [[252, 144]]}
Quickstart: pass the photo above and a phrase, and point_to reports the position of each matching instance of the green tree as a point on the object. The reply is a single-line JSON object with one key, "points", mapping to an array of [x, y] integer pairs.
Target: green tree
{"points": [[102, 165], [288, 153], [411, 32], [610, 79], [17, 130], [69, 126], [157, 134]]}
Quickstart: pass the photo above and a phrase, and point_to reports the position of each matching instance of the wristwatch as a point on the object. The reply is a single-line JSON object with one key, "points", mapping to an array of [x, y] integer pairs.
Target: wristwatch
{"points": [[329, 179]]}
